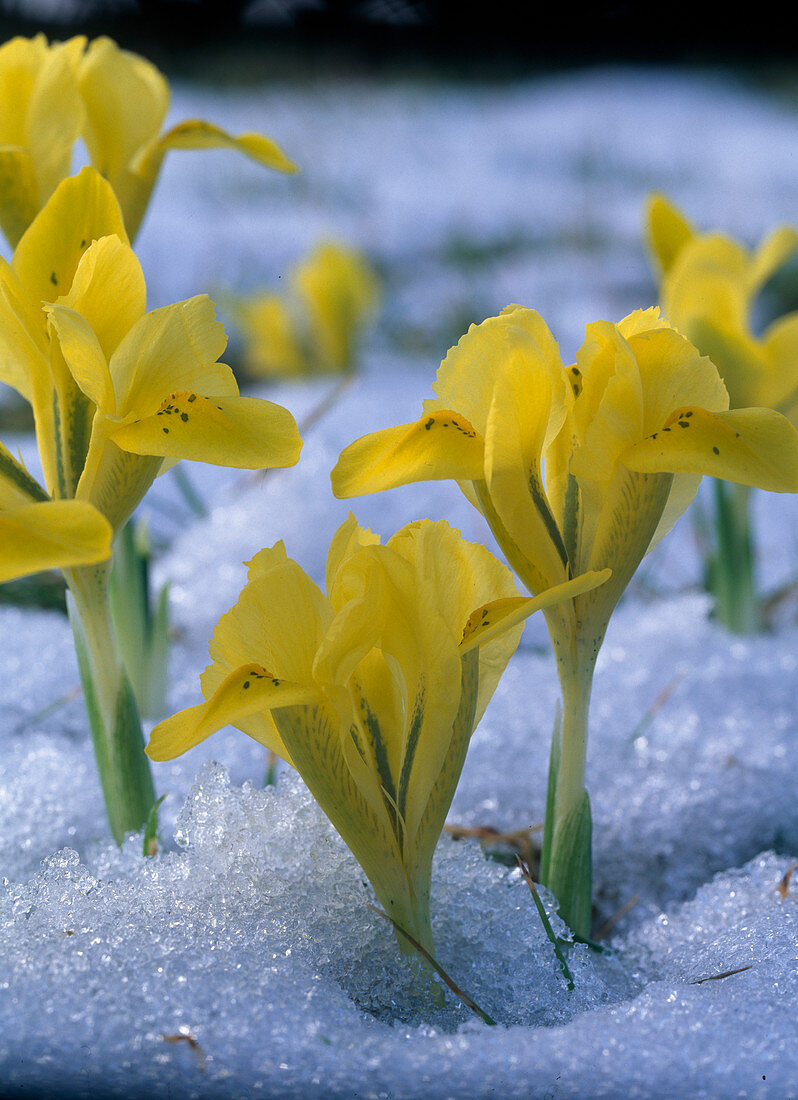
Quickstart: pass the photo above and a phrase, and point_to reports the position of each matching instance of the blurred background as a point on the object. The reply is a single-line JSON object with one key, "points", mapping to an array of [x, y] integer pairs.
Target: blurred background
{"points": [[468, 38]]}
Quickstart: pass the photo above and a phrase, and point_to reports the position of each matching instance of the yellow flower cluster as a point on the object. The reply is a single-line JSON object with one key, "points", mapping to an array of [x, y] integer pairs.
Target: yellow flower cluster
{"points": [[373, 688], [575, 468]]}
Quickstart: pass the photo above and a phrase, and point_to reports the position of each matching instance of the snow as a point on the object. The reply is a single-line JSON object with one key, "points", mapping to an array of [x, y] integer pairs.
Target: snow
{"points": [[244, 959]]}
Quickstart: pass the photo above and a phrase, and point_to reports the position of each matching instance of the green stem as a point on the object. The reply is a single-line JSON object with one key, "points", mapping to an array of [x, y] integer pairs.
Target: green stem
{"points": [[113, 716], [567, 865], [731, 572]]}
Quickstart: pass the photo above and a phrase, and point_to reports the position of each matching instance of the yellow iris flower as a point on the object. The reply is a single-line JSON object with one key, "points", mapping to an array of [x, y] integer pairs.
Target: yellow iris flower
{"points": [[118, 394], [117, 391], [709, 285], [575, 469], [313, 328], [371, 691], [52, 94]]}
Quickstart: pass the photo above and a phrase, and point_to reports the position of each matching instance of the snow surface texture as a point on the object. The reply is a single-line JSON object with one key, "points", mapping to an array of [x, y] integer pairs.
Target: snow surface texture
{"points": [[244, 959]]}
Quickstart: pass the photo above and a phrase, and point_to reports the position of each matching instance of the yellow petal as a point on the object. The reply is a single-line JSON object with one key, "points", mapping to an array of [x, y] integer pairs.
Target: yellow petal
{"points": [[393, 607], [492, 619], [82, 209], [126, 100], [277, 622], [749, 446], [171, 348], [248, 690], [349, 538], [40, 119], [772, 253], [196, 134], [84, 356], [364, 600], [338, 291], [55, 116], [439, 446], [709, 282], [242, 432], [271, 557], [134, 186], [523, 417], [49, 535], [272, 345], [455, 576], [667, 231], [19, 192], [779, 389], [108, 290], [24, 350]]}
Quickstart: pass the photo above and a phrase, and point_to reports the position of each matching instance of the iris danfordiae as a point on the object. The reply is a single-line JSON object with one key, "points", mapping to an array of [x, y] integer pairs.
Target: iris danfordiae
{"points": [[118, 394], [116, 101], [371, 691], [315, 325], [575, 469]]}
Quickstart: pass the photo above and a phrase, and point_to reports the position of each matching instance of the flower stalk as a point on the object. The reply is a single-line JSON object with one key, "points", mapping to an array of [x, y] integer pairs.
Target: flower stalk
{"points": [[140, 622], [114, 721], [731, 567], [566, 860]]}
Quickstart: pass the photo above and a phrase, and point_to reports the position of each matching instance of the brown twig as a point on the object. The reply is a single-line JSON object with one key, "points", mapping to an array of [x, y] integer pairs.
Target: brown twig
{"points": [[718, 977], [783, 887]]}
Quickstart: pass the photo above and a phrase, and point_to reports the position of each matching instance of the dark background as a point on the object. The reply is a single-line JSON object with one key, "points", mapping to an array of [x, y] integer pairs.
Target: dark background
{"points": [[490, 38]]}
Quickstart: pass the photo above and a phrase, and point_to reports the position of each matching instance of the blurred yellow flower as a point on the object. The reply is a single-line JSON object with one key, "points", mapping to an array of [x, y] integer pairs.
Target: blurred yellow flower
{"points": [[50, 95], [372, 691], [316, 326], [709, 284]]}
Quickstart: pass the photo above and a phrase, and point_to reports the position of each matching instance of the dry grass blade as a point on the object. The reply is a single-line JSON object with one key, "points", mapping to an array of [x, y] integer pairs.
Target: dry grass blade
{"points": [[657, 705], [784, 886], [719, 977], [610, 924], [520, 840], [187, 1038], [436, 966]]}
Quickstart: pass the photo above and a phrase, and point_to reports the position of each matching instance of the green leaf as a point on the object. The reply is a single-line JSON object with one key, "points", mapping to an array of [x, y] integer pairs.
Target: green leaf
{"points": [[149, 846], [569, 872], [551, 794]]}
